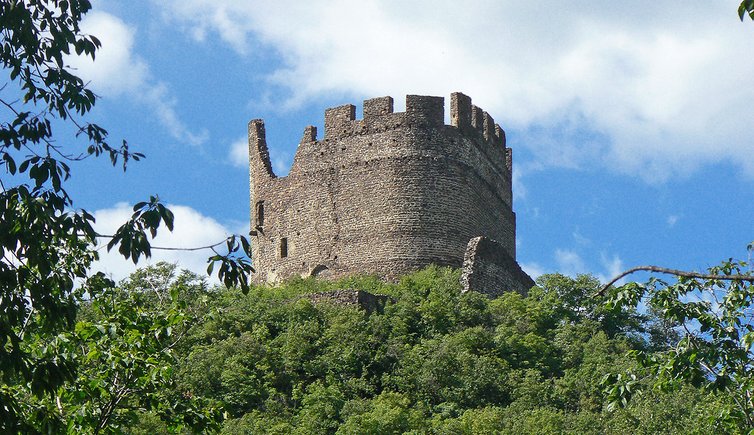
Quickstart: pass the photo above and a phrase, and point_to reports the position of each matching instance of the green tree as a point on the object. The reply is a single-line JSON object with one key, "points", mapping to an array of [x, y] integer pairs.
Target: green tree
{"points": [[122, 352], [433, 361], [388, 413], [46, 245], [713, 314]]}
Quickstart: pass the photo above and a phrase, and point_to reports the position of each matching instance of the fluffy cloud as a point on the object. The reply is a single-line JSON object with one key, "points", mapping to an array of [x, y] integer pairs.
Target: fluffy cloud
{"points": [[239, 156], [646, 88], [191, 230], [239, 153], [570, 262], [118, 72], [612, 266]]}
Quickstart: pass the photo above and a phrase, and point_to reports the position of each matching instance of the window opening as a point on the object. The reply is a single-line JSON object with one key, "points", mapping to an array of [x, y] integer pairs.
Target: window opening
{"points": [[259, 214], [283, 247]]}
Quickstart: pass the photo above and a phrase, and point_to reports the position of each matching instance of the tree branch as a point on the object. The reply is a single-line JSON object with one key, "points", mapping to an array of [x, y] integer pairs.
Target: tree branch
{"points": [[168, 248], [676, 272]]}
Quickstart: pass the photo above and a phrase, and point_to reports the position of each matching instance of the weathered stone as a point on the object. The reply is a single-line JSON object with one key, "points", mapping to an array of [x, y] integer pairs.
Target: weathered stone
{"points": [[386, 195], [488, 269], [350, 297]]}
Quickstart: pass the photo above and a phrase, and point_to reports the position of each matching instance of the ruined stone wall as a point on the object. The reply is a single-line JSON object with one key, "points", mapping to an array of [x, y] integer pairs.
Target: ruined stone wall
{"points": [[386, 194], [487, 268], [350, 297]]}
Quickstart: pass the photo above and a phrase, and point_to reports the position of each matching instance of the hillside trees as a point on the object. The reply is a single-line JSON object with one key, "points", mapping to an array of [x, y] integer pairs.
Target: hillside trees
{"points": [[434, 361], [46, 245]]}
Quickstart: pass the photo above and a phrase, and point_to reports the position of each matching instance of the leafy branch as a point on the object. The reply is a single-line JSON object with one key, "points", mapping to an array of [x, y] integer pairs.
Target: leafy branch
{"points": [[45, 246], [714, 313], [676, 272]]}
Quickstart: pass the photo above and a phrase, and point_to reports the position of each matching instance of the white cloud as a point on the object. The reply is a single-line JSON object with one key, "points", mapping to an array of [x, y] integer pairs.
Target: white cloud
{"points": [[239, 153], [118, 72], [672, 220], [535, 270], [569, 262], [163, 104], [191, 230], [645, 88], [580, 238], [612, 266], [239, 156]]}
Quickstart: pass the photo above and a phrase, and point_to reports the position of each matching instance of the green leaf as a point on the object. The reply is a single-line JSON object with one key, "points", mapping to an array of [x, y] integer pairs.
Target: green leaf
{"points": [[10, 163], [174, 293]]}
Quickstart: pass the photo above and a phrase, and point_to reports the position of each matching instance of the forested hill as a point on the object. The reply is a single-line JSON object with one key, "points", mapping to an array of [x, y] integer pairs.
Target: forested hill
{"points": [[433, 361]]}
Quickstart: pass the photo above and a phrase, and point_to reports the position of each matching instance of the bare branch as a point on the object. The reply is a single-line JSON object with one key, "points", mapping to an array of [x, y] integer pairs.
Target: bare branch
{"points": [[168, 248], [676, 272]]}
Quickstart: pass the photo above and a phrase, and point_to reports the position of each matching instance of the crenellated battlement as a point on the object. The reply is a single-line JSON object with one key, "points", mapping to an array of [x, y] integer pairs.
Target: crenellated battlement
{"points": [[468, 117], [421, 111]]}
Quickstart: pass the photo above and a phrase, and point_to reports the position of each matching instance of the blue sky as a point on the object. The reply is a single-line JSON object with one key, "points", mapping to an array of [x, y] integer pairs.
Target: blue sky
{"points": [[629, 122]]}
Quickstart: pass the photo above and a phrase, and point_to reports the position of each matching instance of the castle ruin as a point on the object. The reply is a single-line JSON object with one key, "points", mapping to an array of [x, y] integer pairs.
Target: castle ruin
{"points": [[388, 194]]}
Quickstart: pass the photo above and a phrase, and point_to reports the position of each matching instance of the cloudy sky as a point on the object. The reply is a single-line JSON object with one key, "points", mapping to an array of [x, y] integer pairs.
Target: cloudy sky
{"points": [[629, 121]]}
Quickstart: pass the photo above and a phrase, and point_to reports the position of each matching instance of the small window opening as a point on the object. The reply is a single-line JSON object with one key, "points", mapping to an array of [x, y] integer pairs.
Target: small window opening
{"points": [[259, 214], [283, 247]]}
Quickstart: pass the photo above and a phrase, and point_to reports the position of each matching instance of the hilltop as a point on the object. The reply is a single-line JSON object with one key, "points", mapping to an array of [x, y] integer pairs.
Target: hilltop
{"points": [[432, 360]]}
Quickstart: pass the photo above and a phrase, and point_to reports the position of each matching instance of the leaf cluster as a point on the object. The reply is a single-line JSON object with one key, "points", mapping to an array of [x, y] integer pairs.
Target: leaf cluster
{"points": [[712, 345], [746, 8], [121, 359]]}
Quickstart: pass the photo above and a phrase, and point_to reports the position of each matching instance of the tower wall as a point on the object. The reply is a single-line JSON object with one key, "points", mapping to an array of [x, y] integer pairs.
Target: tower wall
{"points": [[385, 194]]}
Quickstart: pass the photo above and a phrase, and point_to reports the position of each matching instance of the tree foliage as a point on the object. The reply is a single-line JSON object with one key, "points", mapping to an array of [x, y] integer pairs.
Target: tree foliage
{"points": [[746, 8], [714, 320], [433, 361], [47, 246], [163, 350], [122, 360]]}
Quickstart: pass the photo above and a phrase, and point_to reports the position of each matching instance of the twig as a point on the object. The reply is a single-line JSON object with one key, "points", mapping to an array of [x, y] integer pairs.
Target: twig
{"points": [[168, 248]]}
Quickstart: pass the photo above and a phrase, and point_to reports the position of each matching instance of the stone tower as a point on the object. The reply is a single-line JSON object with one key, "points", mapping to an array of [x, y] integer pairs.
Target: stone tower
{"points": [[388, 194]]}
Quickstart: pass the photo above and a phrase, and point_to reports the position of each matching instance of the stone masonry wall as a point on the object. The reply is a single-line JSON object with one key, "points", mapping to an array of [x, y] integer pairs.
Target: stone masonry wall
{"points": [[350, 297], [385, 195], [488, 269]]}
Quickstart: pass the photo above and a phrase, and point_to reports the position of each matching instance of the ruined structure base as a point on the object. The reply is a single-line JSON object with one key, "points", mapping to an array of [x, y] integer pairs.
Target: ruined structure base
{"points": [[488, 269]]}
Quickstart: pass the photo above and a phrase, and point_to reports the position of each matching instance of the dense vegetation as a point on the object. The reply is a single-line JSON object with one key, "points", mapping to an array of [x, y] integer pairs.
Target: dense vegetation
{"points": [[47, 244], [164, 352], [433, 361]]}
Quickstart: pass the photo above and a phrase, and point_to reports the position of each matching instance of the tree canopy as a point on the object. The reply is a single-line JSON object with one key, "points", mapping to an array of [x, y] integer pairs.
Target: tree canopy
{"points": [[434, 360], [47, 246], [713, 317], [163, 350]]}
